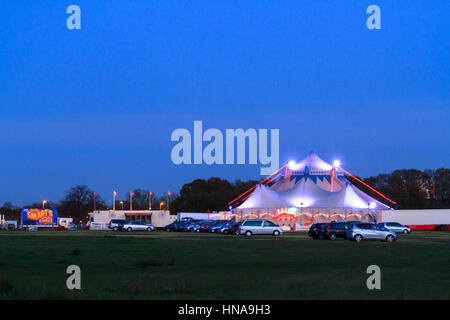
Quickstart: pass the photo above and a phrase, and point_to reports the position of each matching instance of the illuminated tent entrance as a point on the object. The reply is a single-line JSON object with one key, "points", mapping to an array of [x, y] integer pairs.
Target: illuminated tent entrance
{"points": [[311, 191], [301, 218]]}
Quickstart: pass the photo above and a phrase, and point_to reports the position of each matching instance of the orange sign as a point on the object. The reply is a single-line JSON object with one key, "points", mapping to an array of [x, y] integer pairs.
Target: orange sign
{"points": [[41, 215], [285, 216]]}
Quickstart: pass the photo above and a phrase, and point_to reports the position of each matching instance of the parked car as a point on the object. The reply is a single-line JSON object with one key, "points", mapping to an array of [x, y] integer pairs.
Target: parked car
{"points": [[226, 227], [199, 226], [316, 230], [187, 225], [171, 227], [72, 227], [337, 229], [137, 226], [209, 227], [182, 225], [215, 227], [370, 231], [115, 223], [396, 227], [251, 227], [204, 227], [234, 228], [194, 225]]}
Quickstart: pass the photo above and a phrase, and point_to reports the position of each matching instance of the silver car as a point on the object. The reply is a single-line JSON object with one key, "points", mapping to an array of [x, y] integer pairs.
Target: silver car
{"points": [[369, 231], [396, 227], [251, 227], [116, 223], [137, 226]]}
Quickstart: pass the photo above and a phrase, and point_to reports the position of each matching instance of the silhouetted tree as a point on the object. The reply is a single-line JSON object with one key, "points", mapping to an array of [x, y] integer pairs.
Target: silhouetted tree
{"points": [[438, 187], [10, 211], [78, 202], [411, 188], [141, 200], [208, 195]]}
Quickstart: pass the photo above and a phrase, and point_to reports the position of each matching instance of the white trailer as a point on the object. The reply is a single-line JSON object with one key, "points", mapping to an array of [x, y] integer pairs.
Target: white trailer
{"points": [[99, 220], [221, 215], [418, 219], [196, 216]]}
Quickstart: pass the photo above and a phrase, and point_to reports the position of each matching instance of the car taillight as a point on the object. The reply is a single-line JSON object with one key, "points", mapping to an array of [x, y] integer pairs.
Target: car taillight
{"points": [[351, 230]]}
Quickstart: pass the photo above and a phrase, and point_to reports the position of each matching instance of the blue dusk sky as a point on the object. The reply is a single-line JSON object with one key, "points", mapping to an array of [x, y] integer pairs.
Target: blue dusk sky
{"points": [[97, 106]]}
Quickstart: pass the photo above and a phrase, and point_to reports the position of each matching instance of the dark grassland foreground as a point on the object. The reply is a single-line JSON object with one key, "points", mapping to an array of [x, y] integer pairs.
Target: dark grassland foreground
{"points": [[164, 265]]}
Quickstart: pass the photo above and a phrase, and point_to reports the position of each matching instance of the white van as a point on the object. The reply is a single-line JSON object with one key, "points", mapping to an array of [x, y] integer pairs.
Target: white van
{"points": [[251, 227]]}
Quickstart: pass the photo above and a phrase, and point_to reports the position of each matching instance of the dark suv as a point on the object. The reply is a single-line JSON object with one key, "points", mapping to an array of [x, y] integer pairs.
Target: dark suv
{"points": [[337, 229], [172, 227], [316, 230], [234, 228]]}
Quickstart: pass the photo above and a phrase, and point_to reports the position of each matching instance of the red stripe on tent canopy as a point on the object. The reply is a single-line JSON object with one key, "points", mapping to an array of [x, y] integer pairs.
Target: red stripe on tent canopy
{"points": [[262, 181], [274, 178], [245, 198], [374, 190]]}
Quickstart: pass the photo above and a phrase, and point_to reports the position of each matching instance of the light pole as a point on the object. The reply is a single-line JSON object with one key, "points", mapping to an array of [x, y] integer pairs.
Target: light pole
{"points": [[161, 204], [121, 202], [114, 200], [131, 200], [168, 199], [95, 196], [150, 200], [43, 204]]}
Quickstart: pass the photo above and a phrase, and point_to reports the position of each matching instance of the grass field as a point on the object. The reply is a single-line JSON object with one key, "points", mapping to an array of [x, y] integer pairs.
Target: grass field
{"points": [[165, 265]]}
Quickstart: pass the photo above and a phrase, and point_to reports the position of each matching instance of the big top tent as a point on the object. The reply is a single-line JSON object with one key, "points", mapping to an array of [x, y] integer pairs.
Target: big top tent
{"points": [[309, 191]]}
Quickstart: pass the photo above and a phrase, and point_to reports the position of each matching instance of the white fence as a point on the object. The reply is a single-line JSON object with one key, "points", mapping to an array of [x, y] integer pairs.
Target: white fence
{"points": [[98, 226]]}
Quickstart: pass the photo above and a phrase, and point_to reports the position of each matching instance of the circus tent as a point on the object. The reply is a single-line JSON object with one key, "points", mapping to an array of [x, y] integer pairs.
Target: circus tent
{"points": [[311, 187]]}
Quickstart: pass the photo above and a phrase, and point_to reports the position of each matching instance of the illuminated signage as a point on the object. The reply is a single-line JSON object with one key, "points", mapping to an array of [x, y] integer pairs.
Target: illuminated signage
{"points": [[39, 216], [285, 216]]}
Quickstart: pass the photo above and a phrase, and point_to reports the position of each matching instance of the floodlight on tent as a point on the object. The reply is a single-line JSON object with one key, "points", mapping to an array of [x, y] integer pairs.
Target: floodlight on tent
{"points": [[303, 202], [336, 163], [372, 205], [292, 165]]}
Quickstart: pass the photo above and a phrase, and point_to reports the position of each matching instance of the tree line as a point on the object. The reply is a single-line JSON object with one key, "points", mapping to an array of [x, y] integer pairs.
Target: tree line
{"points": [[409, 188], [80, 200]]}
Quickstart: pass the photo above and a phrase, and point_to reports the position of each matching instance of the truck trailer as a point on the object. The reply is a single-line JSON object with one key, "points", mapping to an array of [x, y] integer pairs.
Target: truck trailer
{"points": [[44, 219], [99, 220], [418, 219]]}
